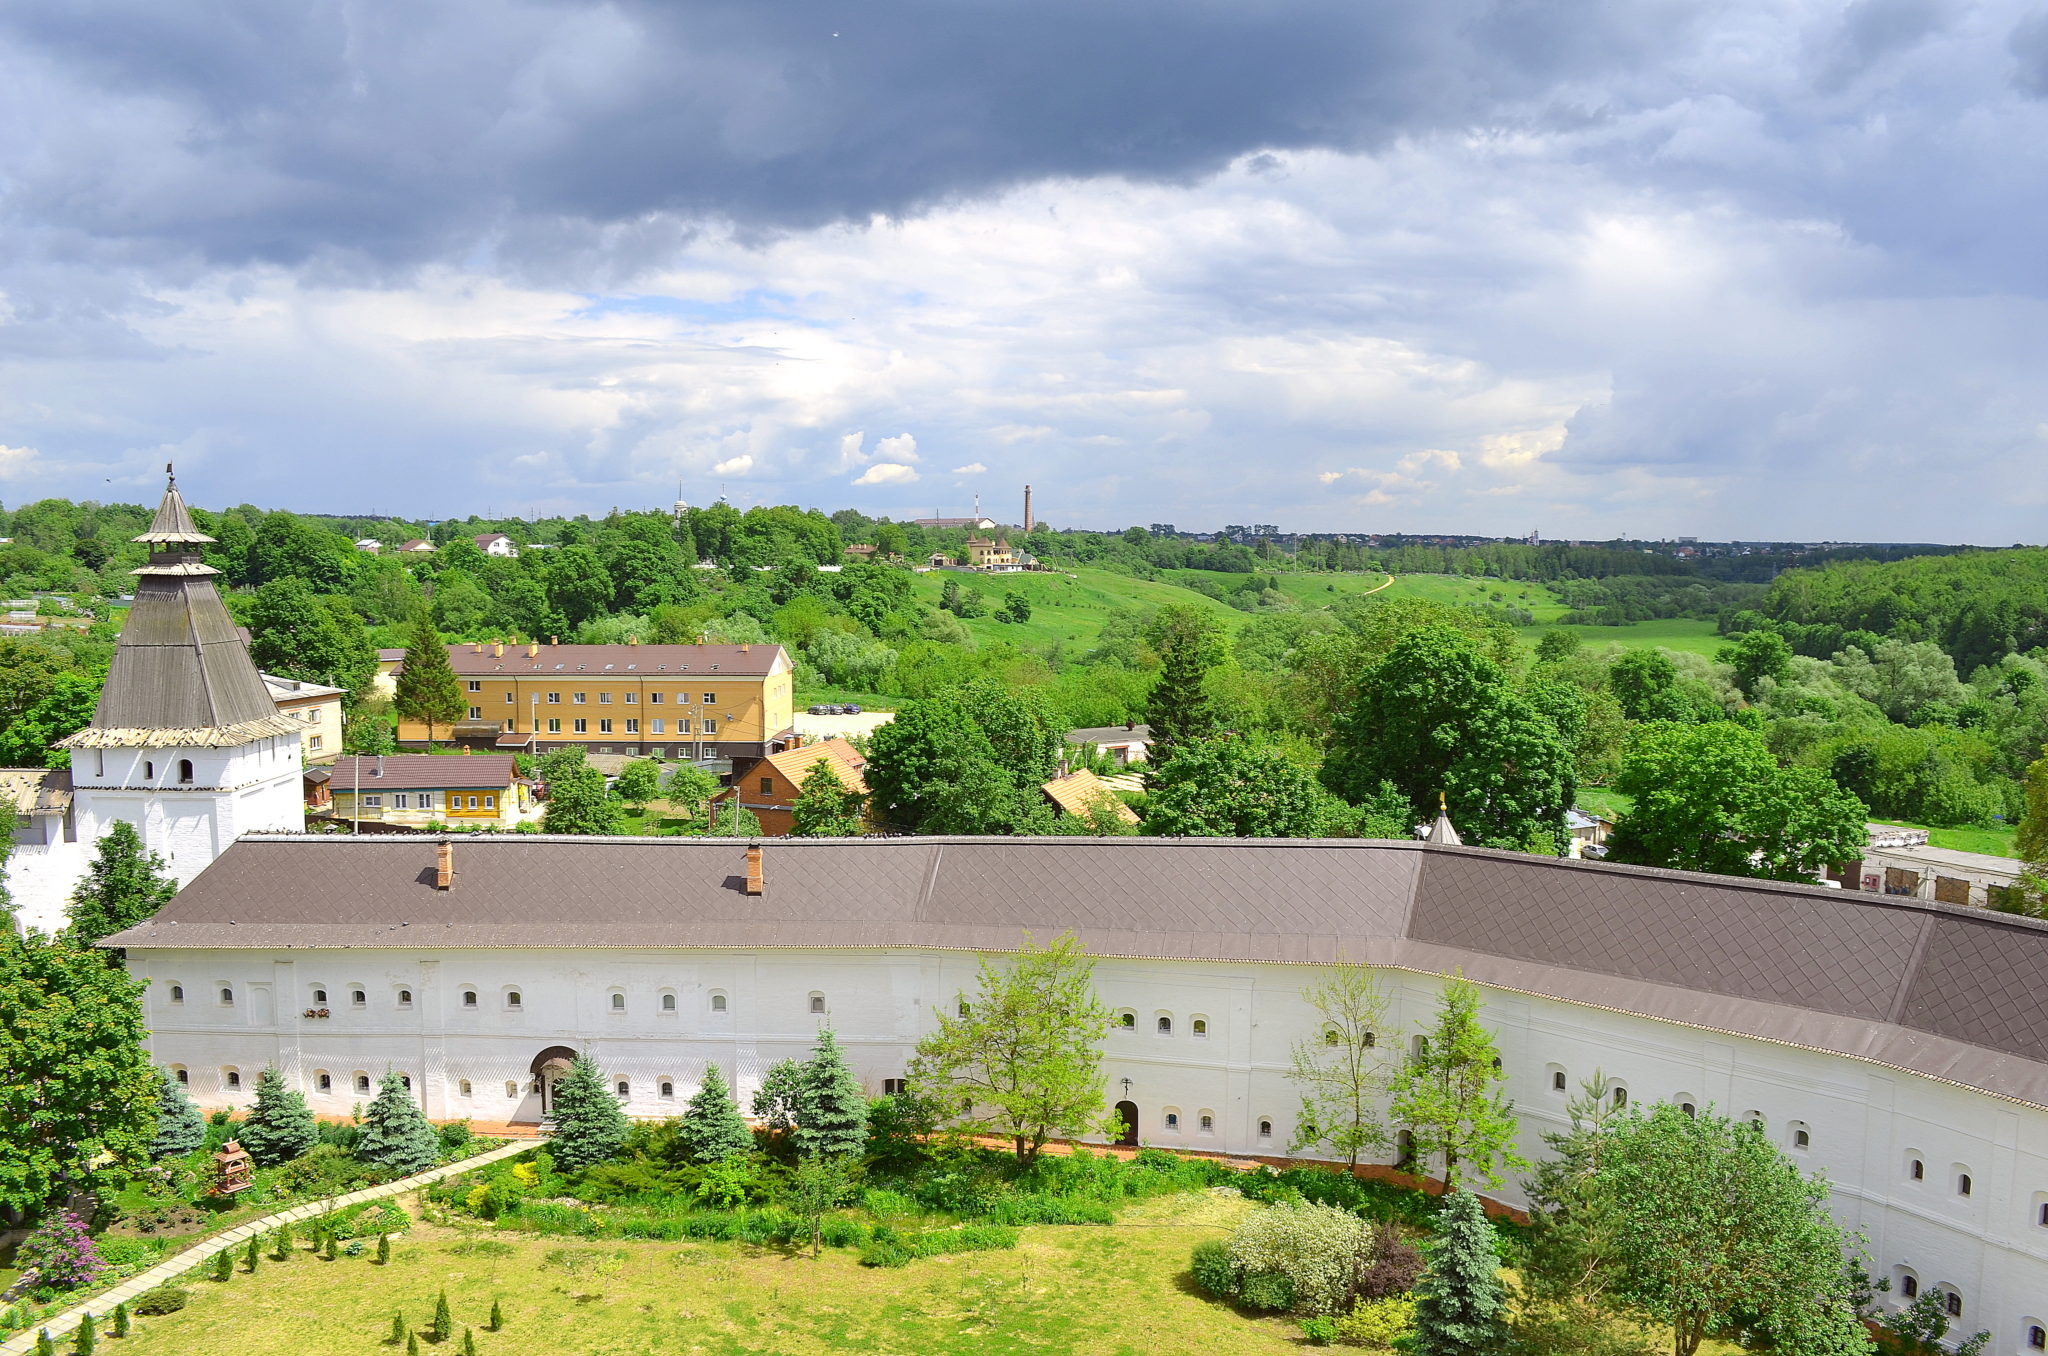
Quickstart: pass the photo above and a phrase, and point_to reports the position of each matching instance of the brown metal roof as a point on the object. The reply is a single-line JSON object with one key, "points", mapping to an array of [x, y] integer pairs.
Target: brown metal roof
{"points": [[619, 661], [1947, 992], [423, 771]]}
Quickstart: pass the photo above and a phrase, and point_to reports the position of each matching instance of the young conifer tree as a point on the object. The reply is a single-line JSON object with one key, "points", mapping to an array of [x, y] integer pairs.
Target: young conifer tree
{"points": [[397, 1329], [87, 1339], [179, 1127], [712, 1128], [224, 1264], [428, 690], [590, 1125], [120, 1325], [1460, 1303], [279, 1126], [831, 1110], [444, 1321], [497, 1317], [396, 1136]]}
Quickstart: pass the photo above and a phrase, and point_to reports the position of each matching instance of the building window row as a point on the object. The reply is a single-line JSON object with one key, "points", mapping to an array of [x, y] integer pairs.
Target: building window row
{"points": [[1162, 1023]]}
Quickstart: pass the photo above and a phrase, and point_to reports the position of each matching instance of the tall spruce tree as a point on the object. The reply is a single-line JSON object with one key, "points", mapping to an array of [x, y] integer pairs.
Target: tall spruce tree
{"points": [[831, 1110], [1179, 710], [712, 1129], [1460, 1303], [179, 1127], [279, 1127], [590, 1125], [428, 690], [396, 1135], [125, 885]]}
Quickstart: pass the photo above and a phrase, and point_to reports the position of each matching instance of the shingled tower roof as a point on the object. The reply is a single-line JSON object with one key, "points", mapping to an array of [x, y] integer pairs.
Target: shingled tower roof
{"points": [[181, 674]]}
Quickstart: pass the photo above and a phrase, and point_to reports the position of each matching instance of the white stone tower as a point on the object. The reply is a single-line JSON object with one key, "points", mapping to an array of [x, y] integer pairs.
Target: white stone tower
{"points": [[186, 743]]}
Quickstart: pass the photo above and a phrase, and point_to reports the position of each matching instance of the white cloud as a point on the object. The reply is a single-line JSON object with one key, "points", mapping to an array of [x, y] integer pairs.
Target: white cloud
{"points": [[902, 447], [734, 466], [16, 461], [972, 468], [850, 453], [887, 473]]}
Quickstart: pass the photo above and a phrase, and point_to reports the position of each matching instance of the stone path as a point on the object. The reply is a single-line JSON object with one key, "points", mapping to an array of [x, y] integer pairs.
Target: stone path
{"points": [[102, 1305]]}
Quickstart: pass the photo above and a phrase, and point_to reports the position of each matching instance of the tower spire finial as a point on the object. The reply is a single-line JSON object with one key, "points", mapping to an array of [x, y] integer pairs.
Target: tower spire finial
{"points": [[170, 475]]}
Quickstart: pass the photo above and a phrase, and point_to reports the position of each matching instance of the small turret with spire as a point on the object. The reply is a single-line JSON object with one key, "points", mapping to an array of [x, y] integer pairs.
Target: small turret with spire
{"points": [[1442, 831]]}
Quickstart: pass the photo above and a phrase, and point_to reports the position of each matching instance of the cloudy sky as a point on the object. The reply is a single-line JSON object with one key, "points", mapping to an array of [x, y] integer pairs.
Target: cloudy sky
{"points": [[1769, 269]]}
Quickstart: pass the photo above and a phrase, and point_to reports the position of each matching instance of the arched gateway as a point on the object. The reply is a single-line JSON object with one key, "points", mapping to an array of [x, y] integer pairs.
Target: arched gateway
{"points": [[550, 1067]]}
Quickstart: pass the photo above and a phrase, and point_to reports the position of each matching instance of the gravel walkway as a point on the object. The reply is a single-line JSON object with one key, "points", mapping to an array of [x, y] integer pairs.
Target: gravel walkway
{"points": [[102, 1305]]}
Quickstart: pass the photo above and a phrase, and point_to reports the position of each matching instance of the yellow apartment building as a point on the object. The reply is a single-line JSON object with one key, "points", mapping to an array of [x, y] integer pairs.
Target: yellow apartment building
{"points": [[655, 701], [484, 791]]}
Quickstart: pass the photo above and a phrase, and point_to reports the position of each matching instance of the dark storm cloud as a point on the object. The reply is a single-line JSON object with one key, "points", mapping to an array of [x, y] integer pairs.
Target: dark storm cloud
{"points": [[261, 132]]}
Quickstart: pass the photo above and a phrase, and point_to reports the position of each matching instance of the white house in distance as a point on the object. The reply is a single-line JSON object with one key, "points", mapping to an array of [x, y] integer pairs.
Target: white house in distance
{"points": [[1898, 1045], [186, 743], [496, 544]]}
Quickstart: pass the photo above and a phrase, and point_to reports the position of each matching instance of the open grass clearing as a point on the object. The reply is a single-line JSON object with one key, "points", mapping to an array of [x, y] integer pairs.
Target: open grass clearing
{"points": [[1066, 607], [2001, 840], [1672, 633]]}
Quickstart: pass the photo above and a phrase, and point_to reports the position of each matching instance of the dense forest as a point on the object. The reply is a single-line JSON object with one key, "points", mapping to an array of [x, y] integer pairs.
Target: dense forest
{"points": [[1921, 685]]}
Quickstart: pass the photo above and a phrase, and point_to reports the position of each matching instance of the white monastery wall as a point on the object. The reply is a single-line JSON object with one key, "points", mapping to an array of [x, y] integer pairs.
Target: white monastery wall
{"points": [[1863, 1125]]}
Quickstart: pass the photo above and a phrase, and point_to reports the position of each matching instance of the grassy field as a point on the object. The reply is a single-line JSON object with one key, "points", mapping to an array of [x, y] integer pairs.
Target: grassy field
{"points": [[1678, 633], [1068, 608], [1999, 841], [1089, 1291]]}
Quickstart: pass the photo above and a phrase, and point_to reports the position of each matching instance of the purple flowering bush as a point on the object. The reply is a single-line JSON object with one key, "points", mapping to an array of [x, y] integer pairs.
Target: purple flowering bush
{"points": [[61, 1252]]}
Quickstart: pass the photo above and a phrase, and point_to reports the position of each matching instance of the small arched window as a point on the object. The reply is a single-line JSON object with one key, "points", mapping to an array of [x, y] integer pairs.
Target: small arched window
{"points": [[1917, 1170], [469, 998], [512, 998], [618, 1002], [1127, 1020], [1173, 1120], [1496, 1064], [623, 1088], [1265, 1129], [1962, 1184], [182, 1074], [177, 993], [319, 995], [1166, 1026], [1419, 1047], [1207, 1123], [1557, 1080], [405, 1081], [961, 1008], [817, 1002], [1199, 1028], [362, 1082], [668, 1088], [1802, 1137], [185, 770], [1620, 1096], [1691, 1111], [149, 770], [227, 995], [718, 1002], [405, 998], [2037, 1338], [1909, 1286], [463, 1087], [1952, 1301], [323, 1080], [358, 999], [2041, 1217], [668, 1002], [231, 1077]]}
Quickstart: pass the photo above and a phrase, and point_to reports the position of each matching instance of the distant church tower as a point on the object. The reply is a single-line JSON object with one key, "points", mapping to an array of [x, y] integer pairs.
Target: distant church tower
{"points": [[186, 743]]}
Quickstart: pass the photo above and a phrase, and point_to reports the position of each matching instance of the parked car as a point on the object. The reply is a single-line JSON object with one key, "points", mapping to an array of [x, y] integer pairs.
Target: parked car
{"points": [[849, 710], [819, 709]]}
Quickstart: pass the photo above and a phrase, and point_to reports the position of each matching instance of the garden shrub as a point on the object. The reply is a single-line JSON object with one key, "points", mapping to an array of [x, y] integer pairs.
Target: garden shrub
{"points": [[1377, 1322], [1392, 1265], [889, 1250], [1320, 1332], [326, 1170], [164, 1299], [124, 1252], [1213, 1270], [1267, 1290], [1313, 1247], [885, 1204], [367, 1219], [61, 1252]]}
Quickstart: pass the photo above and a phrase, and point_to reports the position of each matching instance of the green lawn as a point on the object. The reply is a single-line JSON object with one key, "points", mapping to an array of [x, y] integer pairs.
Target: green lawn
{"points": [[1598, 800], [1533, 598], [1120, 1290], [1065, 607], [1677, 633], [1999, 841]]}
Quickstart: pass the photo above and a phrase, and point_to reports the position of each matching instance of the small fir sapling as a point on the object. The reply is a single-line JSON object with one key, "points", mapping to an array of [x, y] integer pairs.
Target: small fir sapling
{"points": [[497, 1317], [468, 1343], [444, 1321], [44, 1346], [328, 1252], [224, 1264], [397, 1329], [87, 1339], [412, 1344], [282, 1250], [383, 1249], [120, 1328], [249, 1255]]}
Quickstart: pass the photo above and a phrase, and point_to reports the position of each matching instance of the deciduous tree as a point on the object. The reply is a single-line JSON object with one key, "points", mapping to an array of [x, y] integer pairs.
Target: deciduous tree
{"points": [[580, 803], [1711, 1221], [79, 1097], [639, 781], [1712, 798], [1448, 1095], [1230, 787], [1022, 1056], [825, 806], [1342, 1070], [125, 885]]}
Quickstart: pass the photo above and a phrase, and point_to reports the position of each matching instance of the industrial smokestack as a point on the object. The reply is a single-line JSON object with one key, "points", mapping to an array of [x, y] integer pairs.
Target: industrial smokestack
{"points": [[1027, 510]]}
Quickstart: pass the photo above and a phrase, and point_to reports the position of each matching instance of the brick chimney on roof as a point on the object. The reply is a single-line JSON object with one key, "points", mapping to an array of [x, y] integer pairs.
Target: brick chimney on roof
{"points": [[755, 883], [444, 865]]}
